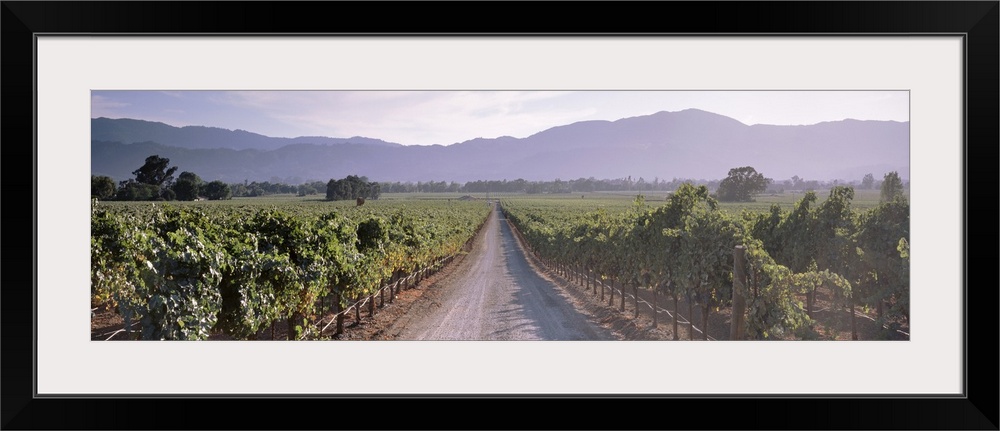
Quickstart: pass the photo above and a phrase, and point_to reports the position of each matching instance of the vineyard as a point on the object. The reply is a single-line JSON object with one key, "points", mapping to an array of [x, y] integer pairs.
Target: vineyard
{"points": [[198, 270], [238, 269], [683, 249]]}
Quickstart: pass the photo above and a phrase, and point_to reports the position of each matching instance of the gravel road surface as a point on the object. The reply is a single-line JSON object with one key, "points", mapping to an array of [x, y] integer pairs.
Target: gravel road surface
{"points": [[497, 295]]}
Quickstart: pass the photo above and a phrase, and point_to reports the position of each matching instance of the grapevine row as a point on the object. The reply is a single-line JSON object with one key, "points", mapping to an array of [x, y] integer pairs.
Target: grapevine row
{"points": [[684, 249], [189, 272]]}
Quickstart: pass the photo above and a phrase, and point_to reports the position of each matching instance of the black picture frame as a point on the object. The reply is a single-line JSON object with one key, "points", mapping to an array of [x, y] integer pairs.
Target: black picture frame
{"points": [[976, 21]]}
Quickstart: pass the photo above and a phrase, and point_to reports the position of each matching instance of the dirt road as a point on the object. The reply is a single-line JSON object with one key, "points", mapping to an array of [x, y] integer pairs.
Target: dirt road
{"points": [[496, 295]]}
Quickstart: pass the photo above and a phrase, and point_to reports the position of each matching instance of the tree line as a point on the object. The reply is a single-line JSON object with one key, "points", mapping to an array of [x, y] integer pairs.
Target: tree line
{"points": [[520, 185], [740, 185], [154, 181]]}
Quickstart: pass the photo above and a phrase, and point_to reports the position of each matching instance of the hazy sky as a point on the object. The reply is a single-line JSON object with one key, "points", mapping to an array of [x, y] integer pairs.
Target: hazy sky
{"points": [[448, 117]]}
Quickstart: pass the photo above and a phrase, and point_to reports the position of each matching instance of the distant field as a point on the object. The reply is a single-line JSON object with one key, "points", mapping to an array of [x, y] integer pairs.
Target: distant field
{"points": [[270, 200], [863, 199]]}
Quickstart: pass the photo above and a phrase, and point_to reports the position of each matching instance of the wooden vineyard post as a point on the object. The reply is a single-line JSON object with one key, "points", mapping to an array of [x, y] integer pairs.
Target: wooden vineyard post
{"points": [[635, 291], [611, 291], [340, 314], [357, 309], [739, 287], [854, 320], [656, 292], [128, 325], [690, 317], [623, 285]]}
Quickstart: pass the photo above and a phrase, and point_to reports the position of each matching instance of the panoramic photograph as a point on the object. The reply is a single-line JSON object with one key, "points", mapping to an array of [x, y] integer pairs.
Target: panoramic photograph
{"points": [[500, 215]]}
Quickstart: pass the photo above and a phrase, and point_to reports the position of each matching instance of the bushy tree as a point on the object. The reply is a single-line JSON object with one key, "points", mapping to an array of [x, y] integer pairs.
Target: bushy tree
{"points": [[868, 182], [155, 171], [101, 187], [352, 187], [892, 187], [217, 190], [306, 189], [741, 184], [132, 190], [153, 181], [187, 187]]}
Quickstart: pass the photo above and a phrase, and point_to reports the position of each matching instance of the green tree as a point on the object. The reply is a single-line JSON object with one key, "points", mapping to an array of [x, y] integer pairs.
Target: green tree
{"points": [[892, 187], [868, 182], [101, 187], [152, 182], [187, 187], [353, 187], [132, 190], [741, 184], [336, 190], [306, 189], [155, 171], [217, 190]]}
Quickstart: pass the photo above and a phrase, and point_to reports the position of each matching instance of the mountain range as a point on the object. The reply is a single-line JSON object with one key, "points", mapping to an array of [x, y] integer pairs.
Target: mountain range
{"points": [[688, 144]]}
